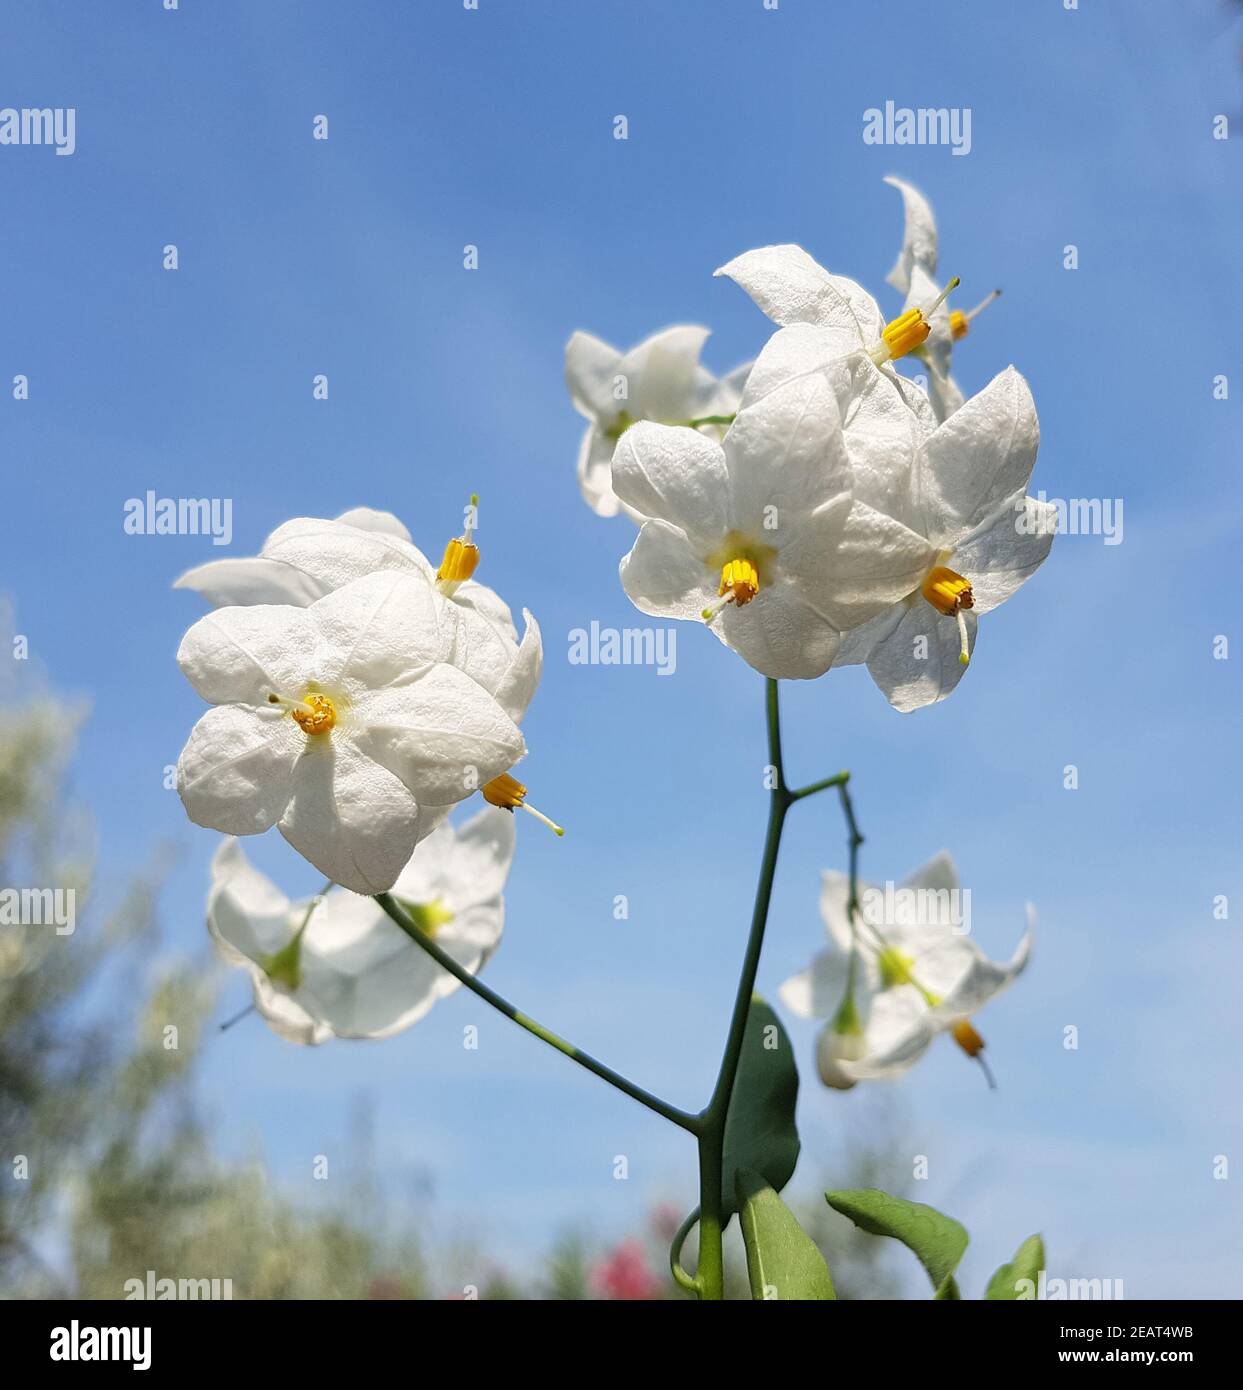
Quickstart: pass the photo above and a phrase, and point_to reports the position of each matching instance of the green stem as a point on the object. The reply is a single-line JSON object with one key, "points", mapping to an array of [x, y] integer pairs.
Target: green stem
{"points": [[710, 1274], [837, 780], [442, 958], [705, 420], [680, 1276]]}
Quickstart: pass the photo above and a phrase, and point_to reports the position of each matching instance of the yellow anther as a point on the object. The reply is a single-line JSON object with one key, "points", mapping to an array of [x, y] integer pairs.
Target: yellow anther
{"points": [[960, 324], [909, 330], [510, 795], [740, 579], [316, 714], [947, 591], [428, 917], [951, 594], [461, 558], [967, 1038]]}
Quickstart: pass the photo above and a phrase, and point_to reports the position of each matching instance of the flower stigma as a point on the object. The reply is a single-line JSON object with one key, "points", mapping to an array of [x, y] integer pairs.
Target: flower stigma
{"points": [[509, 794], [909, 330], [960, 323], [461, 555]]}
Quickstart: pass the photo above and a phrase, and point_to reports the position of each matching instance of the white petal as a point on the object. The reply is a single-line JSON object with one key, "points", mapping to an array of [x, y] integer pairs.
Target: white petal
{"points": [[252, 580], [352, 818], [518, 685], [899, 1031], [382, 629], [818, 991], [332, 554], [786, 458], [834, 896], [441, 734], [243, 655], [662, 575], [1001, 557], [665, 379], [938, 347], [919, 239], [780, 633], [595, 472], [674, 474], [489, 605], [247, 915], [861, 567], [368, 519], [980, 457], [917, 663], [985, 980], [790, 288], [284, 1015], [235, 772], [590, 367]]}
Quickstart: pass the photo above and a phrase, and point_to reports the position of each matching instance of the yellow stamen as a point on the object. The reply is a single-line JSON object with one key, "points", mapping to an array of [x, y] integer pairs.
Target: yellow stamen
{"points": [[909, 330], [951, 594], [960, 324], [967, 1038], [461, 555], [947, 591], [316, 715], [740, 582], [509, 794]]}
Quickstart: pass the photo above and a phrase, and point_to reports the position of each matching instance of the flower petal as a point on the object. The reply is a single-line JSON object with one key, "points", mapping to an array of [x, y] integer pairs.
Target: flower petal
{"points": [[235, 772], [382, 629], [674, 474], [662, 575], [247, 915], [917, 663], [780, 633], [818, 991], [788, 285], [368, 519], [981, 456], [243, 655], [441, 734], [516, 688], [351, 817], [919, 238], [899, 1030], [590, 367], [252, 580], [1002, 556], [332, 554]]}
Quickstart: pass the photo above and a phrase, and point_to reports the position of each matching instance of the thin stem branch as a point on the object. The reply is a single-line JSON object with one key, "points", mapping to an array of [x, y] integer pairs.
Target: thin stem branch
{"points": [[837, 780], [710, 1272], [688, 1122], [686, 1281]]}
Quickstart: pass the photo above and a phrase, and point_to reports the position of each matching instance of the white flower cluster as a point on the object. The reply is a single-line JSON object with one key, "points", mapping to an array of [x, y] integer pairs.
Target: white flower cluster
{"points": [[358, 694], [819, 509]]}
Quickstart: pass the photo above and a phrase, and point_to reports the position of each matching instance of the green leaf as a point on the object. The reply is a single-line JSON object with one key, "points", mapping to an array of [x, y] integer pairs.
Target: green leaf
{"points": [[938, 1241], [1027, 1264], [782, 1259], [760, 1133]]}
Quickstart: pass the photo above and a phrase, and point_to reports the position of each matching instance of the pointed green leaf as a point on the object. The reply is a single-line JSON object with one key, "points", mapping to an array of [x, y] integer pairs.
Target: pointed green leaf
{"points": [[782, 1259], [937, 1241], [760, 1133], [1027, 1264]]}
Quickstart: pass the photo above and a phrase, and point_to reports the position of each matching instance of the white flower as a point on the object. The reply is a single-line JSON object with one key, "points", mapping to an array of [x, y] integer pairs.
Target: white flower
{"points": [[914, 275], [661, 380], [967, 500], [337, 965], [309, 557], [758, 535], [338, 722], [918, 973]]}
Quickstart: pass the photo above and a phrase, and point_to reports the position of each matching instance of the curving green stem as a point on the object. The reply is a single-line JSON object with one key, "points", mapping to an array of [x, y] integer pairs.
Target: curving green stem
{"points": [[710, 1275], [499, 1002]]}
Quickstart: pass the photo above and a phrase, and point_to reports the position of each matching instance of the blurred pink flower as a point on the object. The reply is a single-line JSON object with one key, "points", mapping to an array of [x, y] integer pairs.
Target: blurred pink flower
{"points": [[624, 1274]]}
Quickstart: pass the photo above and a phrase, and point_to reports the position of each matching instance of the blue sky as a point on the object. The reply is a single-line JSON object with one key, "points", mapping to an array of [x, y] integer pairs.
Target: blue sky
{"points": [[344, 257]]}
